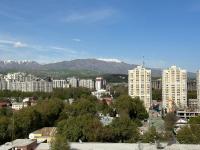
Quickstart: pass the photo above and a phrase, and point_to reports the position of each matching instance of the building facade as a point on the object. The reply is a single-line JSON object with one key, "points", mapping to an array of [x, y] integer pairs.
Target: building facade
{"points": [[59, 83], [139, 85], [157, 84], [87, 83], [174, 88], [100, 83], [191, 85]]}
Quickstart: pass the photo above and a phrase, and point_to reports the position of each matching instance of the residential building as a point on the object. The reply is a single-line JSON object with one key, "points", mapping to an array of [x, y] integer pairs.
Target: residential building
{"points": [[73, 82], [19, 105], [87, 83], [139, 85], [174, 88], [43, 135], [187, 113], [3, 84], [59, 83], [191, 85], [193, 104], [20, 144], [100, 83], [100, 93], [157, 84]]}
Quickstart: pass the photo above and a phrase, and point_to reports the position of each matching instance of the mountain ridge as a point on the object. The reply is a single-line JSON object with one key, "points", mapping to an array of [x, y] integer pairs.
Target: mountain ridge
{"points": [[97, 65]]}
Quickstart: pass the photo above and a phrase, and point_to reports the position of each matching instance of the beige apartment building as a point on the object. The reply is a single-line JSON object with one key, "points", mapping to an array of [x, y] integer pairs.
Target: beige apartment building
{"points": [[174, 88], [139, 85]]}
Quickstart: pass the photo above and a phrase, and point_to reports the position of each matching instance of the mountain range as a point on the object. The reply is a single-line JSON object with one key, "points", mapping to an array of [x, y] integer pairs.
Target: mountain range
{"points": [[99, 66]]}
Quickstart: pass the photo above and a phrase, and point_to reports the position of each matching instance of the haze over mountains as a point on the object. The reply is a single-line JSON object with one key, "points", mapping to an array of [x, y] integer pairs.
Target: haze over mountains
{"points": [[97, 65]]}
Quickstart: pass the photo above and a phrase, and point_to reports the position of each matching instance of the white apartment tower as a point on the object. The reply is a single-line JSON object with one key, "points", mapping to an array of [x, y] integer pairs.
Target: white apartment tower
{"points": [[174, 88], [198, 89], [139, 85]]}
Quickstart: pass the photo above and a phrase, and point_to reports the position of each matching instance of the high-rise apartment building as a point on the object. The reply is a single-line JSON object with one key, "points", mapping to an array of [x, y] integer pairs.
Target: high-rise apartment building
{"points": [[100, 83], [139, 85], [174, 88], [59, 83], [87, 83]]}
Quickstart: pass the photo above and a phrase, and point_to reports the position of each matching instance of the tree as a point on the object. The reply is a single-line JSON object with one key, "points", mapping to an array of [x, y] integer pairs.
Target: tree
{"points": [[157, 94], [60, 143], [186, 135], [133, 108], [150, 136], [170, 120], [85, 128], [5, 132], [125, 130]]}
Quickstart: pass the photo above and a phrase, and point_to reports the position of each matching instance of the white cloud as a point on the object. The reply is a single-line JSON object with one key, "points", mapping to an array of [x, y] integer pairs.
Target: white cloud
{"points": [[62, 49], [19, 45], [76, 39], [91, 16], [110, 60], [15, 44]]}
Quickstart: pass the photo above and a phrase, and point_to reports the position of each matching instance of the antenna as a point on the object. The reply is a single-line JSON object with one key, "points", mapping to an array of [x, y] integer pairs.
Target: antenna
{"points": [[143, 62]]}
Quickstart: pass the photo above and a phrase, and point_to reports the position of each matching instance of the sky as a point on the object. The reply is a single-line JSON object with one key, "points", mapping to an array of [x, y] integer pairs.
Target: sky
{"points": [[165, 32]]}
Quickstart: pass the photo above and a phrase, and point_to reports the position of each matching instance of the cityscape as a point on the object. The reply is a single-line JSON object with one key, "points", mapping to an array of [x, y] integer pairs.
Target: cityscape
{"points": [[99, 75]]}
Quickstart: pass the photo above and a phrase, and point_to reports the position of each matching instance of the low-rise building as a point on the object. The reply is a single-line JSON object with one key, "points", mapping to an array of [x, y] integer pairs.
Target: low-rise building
{"points": [[20, 144], [187, 113], [19, 105], [193, 104], [100, 93], [44, 134]]}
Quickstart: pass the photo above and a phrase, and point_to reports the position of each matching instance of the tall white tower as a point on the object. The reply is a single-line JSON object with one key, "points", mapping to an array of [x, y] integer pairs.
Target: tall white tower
{"points": [[139, 85], [174, 88]]}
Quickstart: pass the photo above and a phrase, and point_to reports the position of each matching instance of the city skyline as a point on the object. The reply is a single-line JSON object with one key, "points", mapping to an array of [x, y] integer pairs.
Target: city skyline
{"points": [[166, 33]]}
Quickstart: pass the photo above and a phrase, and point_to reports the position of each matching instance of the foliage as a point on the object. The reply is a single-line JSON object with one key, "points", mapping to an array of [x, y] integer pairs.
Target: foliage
{"points": [[170, 120], [118, 90], [125, 130], [157, 94], [59, 143], [85, 128], [150, 136], [190, 134], [192, 94], [133, 108]]}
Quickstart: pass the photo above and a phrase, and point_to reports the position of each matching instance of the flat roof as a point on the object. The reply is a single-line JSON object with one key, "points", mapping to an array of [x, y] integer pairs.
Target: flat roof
{"points": [[22, 142], [46, 131], [43, 146], [131, 146]]}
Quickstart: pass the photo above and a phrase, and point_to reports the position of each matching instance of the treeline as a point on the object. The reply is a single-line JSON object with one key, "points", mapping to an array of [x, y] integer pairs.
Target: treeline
{"points": [[80, 121], [19, 124], [60, 93]]}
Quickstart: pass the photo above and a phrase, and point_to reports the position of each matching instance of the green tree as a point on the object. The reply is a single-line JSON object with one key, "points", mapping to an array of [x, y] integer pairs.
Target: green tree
{"points": [[150, 136], [186, 136], [170, 120], [5, 132], [60, 143], [84, 127], [133, 108], [125, 130]]}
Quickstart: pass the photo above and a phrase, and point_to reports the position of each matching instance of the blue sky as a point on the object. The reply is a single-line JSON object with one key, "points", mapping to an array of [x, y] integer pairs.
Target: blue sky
{"points": [[164, 32]]}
